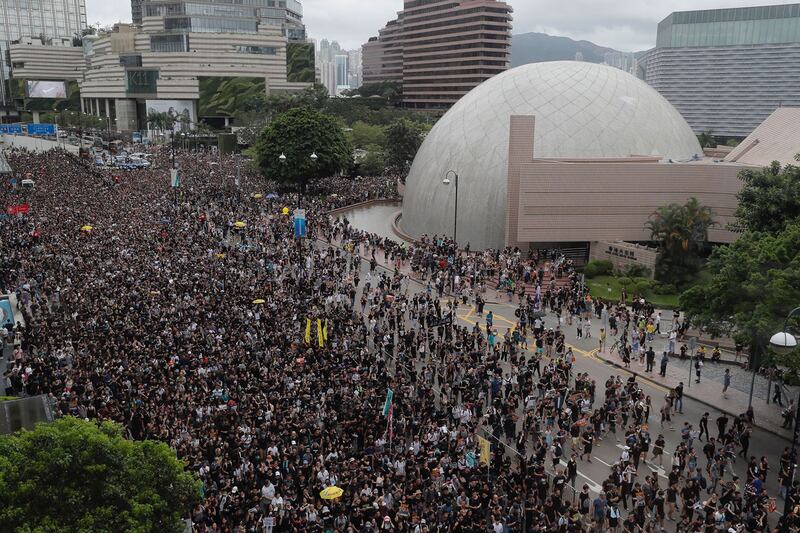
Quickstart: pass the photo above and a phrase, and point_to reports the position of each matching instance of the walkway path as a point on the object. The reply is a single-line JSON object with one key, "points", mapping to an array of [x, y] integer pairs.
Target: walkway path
{"points": [[709, 392]]}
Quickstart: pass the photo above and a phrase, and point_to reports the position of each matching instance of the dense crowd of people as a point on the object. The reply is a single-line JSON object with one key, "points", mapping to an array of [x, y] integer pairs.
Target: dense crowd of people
{"points": [[193, 316]]}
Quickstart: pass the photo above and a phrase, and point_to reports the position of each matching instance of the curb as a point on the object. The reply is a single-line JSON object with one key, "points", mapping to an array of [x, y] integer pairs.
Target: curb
{"points": [[688, 395]]}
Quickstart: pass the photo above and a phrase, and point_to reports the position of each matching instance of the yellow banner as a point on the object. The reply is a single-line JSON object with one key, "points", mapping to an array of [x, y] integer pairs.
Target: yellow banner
{"points": [[308, 330], [485, 447], [319, 333]]}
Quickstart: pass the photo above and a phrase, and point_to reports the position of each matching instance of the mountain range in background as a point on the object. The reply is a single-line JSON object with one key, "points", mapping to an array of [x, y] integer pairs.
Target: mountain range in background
{"points": [[536, 47]]}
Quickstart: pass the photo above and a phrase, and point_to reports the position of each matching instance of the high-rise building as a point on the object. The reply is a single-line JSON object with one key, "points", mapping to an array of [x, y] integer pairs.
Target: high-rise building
{"points": [[341, 72], [440, 49], [622, 60], [136, 11], [354, 68], [52, 22], [339, 69], [727, 70], [382, 56], [228, 16]]}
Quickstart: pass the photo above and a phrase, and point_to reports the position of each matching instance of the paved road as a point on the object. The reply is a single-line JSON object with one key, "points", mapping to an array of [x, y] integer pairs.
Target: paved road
{"points": [[607, 451]]}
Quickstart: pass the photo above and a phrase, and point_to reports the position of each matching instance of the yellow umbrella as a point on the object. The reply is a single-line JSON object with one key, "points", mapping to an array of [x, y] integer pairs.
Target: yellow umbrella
{"points": [[220, 256], [239, 224], [285, 210], [86, 228], [258, 301], [331, 493], [258, 195]]}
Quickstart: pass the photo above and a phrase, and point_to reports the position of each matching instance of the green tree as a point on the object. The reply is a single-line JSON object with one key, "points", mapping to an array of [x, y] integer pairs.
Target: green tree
{"points": [[769, 198], [297, 134], [403, 139], [733, 143], [706, 139], [160, 121], [374, 163], [364, 134], [754, 283], [681, 232], [73, 475]]}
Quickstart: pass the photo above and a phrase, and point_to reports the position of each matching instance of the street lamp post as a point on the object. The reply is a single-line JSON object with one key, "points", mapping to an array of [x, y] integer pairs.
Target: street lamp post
{"points": [[785, 342], [446, 181]]}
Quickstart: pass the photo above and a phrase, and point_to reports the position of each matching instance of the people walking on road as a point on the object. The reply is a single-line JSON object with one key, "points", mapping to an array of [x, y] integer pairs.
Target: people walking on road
{"points": [[726, 382], [703, 427], [664, 362], [678, 392], [722, 424], [650, 354], [788, 415]]}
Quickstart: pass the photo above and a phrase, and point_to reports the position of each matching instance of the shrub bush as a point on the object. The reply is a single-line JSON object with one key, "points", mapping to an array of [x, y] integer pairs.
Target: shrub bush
{"points": [[598, 268], [641, 286], [636, 271], [664, 288], [625, 282]]}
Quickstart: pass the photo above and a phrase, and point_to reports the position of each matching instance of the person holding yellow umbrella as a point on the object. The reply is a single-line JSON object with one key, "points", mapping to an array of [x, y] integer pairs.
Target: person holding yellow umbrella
{"points": [[87, 228], [259, 301], [331, 493], [239, 224]]}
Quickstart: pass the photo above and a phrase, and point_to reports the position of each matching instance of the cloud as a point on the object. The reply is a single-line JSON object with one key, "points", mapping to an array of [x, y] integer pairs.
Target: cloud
{"points": [[623, 24]]}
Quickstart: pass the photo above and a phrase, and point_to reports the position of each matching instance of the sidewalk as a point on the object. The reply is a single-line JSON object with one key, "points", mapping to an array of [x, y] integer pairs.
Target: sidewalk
{"points": [[708, 392]]}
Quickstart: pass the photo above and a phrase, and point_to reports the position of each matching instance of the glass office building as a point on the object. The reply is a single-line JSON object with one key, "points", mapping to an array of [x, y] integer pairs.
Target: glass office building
{"points": [[51, 21], [727, 70], [224, 16], [729, 27]]}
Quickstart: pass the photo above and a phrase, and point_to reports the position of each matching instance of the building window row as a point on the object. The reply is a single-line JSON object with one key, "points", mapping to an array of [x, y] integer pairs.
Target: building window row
{"points": [[168, 43], [253, 49], [456, 29]]}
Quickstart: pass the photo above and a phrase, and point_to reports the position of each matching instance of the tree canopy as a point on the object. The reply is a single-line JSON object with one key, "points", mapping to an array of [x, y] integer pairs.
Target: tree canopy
{"points": [[681, 232], [297, 134], [73, 475], [769, 198], [706, 139], [403, 139], [754, 283]]}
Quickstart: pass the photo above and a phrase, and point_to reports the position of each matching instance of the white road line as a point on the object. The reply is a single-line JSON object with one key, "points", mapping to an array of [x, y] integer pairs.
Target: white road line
{"points": [[602, 462], [594, 487]]}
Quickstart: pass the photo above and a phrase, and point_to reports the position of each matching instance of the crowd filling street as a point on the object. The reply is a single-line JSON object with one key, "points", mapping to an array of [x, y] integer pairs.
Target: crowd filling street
{"points": [[279, 367]]}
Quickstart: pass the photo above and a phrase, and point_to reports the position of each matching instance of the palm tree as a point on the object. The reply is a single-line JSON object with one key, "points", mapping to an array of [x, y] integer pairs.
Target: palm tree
{"points": [[681, 232], [706, 139], [157, 121]]}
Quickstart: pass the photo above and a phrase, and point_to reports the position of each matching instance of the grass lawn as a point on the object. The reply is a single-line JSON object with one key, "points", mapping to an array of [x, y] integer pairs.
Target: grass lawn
{"points": [[608, 288]]}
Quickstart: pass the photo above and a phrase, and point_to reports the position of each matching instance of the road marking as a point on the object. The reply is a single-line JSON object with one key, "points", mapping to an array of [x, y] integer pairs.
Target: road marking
{"points": [[602, 462], [594, 487], [655, 468]]}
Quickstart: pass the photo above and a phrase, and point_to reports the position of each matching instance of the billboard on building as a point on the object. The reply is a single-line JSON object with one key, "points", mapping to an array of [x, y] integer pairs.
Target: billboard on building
{"points": [[46, 89], [224, 96], [300, 62], [181, 111]]}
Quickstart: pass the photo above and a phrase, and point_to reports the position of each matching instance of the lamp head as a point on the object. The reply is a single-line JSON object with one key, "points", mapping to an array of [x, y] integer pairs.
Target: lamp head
{"points": [[314, 156], [282, 158], [446, 181], [783, 342]]}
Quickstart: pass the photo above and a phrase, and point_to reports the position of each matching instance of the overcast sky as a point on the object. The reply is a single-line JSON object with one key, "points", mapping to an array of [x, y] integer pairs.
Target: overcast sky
{"points": [[627, 25]]}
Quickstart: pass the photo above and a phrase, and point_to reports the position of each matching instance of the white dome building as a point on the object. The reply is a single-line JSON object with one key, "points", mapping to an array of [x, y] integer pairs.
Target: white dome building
{"points": [[581, 110]]}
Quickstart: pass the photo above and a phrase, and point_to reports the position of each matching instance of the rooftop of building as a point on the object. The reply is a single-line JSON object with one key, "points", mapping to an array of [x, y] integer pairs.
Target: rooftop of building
{"points": [[776, 139]]}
